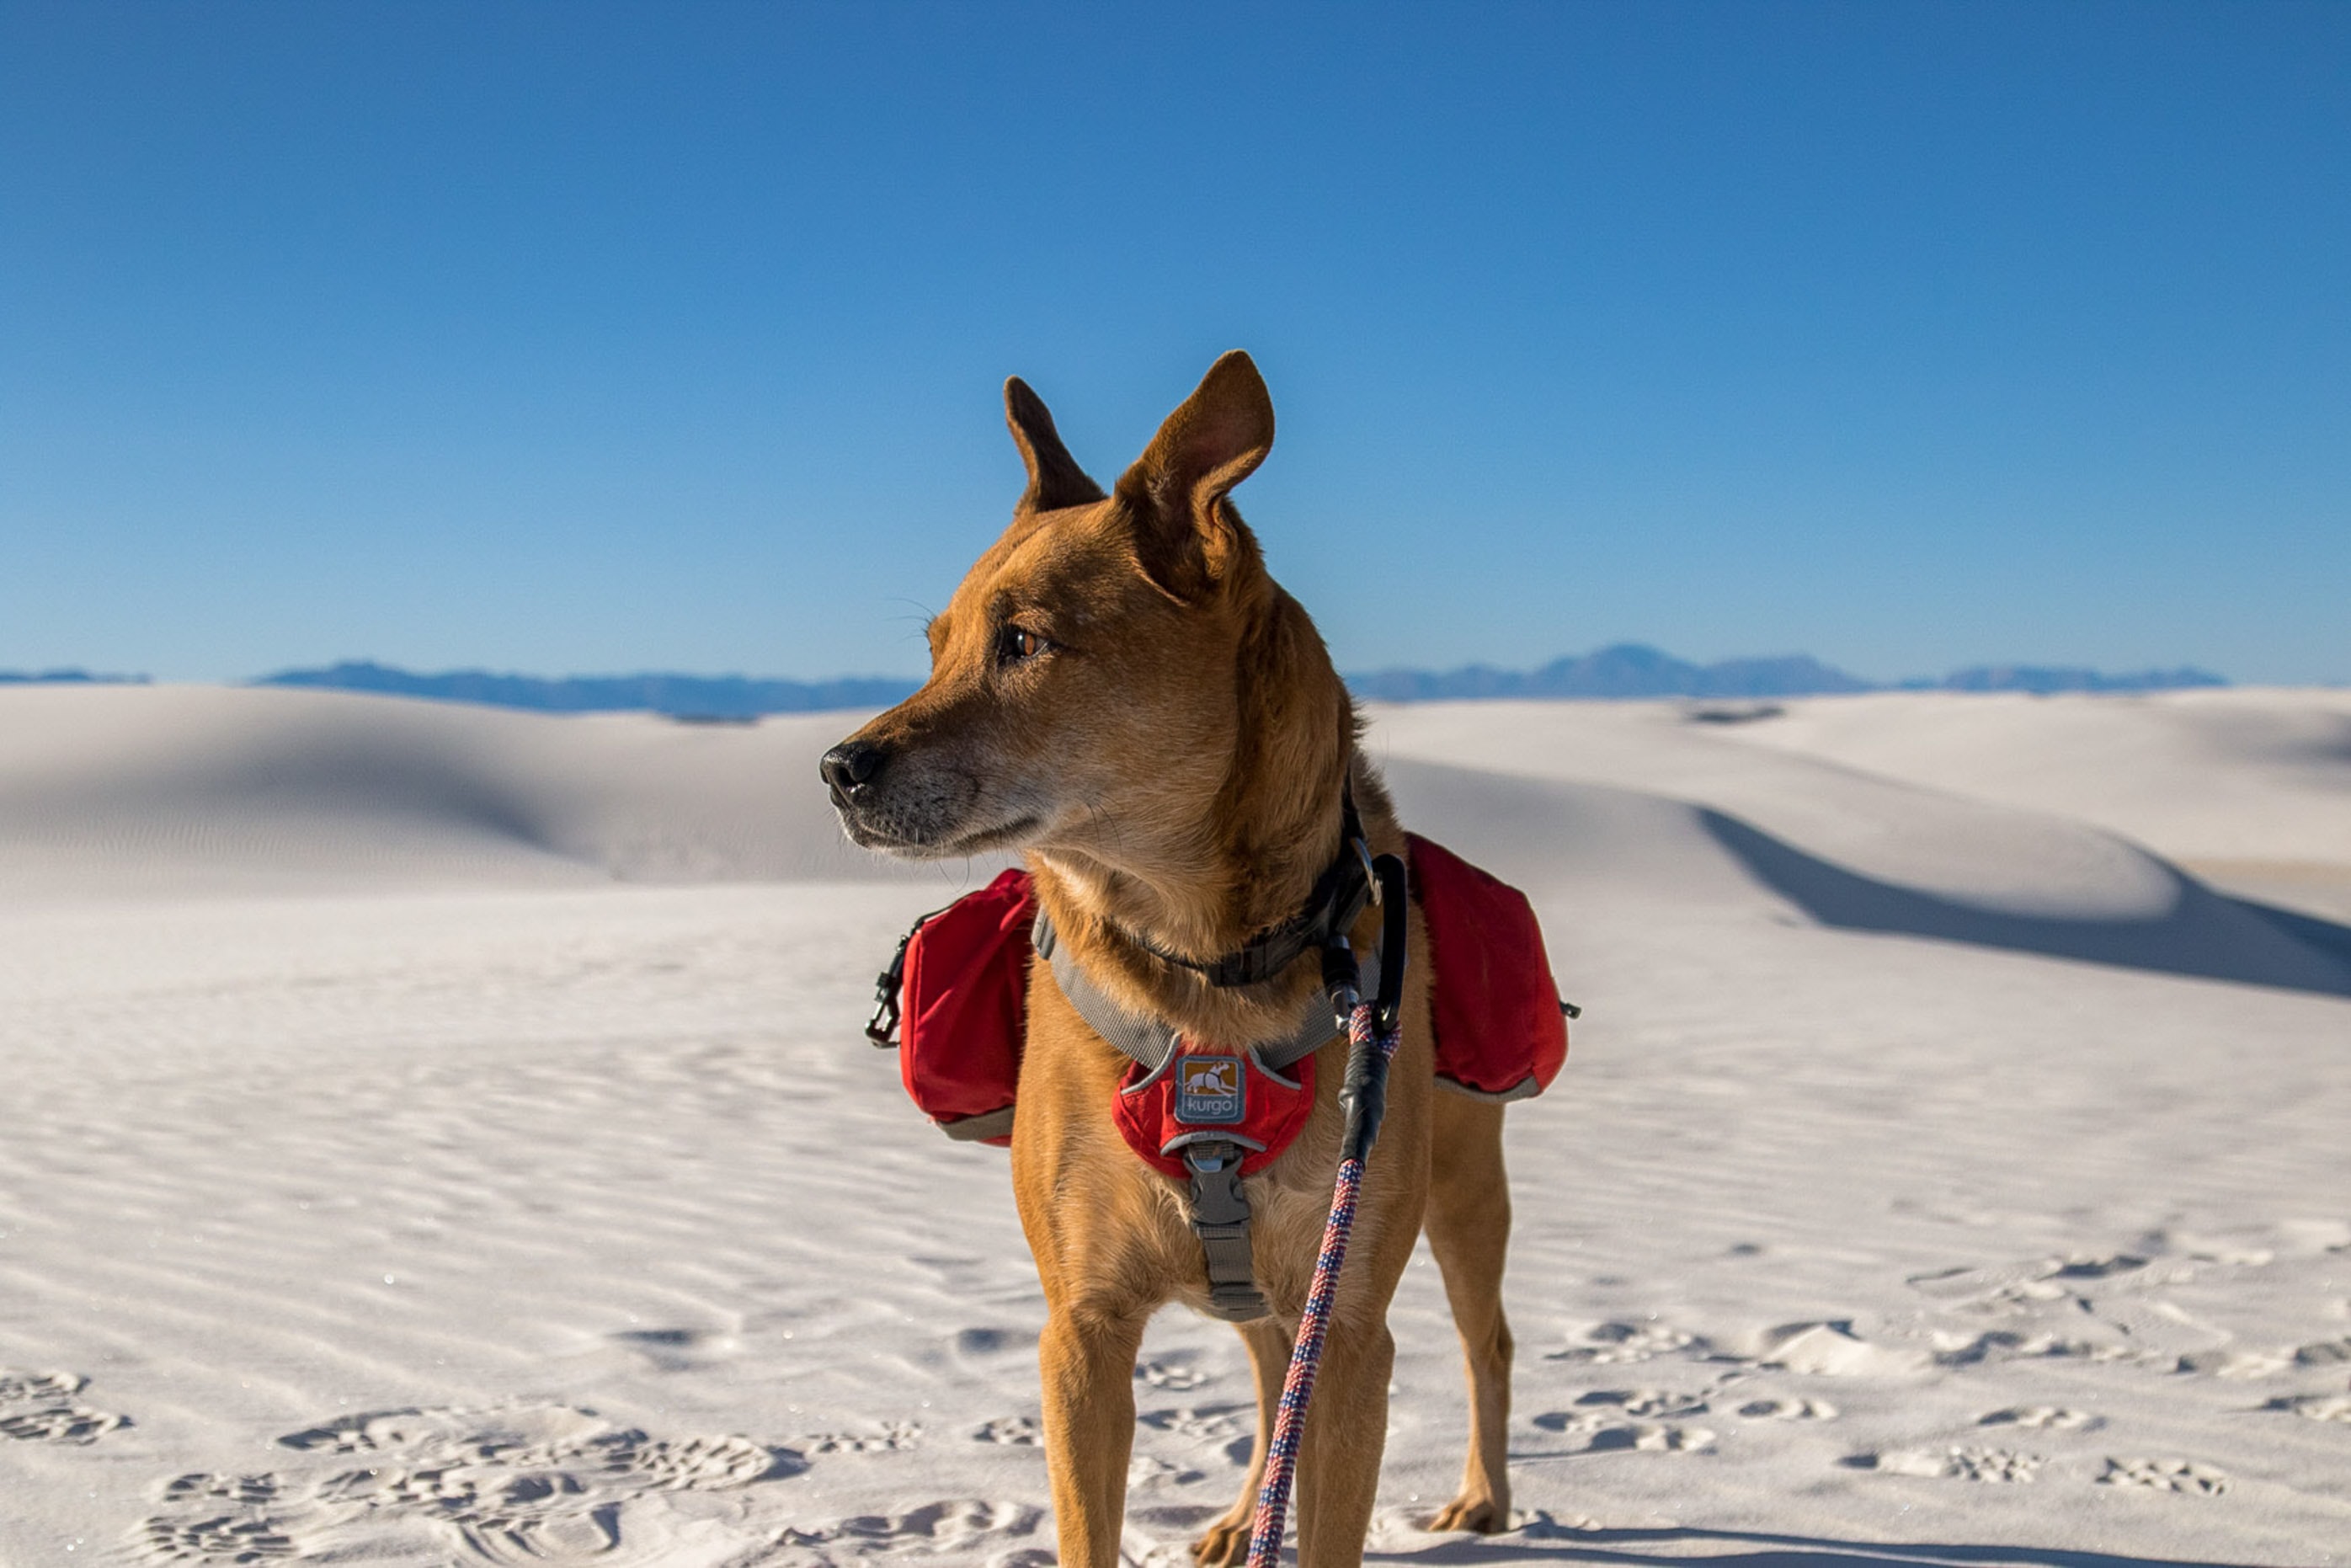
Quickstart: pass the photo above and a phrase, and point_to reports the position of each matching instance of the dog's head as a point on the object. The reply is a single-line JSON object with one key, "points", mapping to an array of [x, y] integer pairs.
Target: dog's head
{"points": [[1086, 679]]}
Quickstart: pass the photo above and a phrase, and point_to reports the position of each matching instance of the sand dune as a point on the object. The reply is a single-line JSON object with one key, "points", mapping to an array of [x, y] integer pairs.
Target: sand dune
{"points": [[208, 790], [2249, 788], [443, 1135], [2247, 775]]}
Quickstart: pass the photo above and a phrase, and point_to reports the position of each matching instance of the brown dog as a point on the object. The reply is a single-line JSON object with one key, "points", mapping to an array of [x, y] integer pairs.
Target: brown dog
{"points": [[1119, 690]]}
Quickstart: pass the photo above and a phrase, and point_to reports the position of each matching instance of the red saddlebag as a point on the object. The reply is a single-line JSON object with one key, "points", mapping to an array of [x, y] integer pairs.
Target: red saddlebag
{"points": [[1499, 1032], [965, 1010]]}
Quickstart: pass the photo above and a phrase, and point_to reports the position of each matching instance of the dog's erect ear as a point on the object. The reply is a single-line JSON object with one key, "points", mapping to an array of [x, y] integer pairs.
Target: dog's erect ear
{"points": [[1188, 537], [1055, 480]]}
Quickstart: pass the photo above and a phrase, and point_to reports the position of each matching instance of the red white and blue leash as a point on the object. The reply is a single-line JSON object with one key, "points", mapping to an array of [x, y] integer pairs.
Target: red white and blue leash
{"points": [[1372, 1029], [1298, 1387]]}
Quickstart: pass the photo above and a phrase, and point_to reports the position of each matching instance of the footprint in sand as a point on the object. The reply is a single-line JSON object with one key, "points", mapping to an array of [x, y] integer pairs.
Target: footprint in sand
{"points": [[2090, 1306], [677, 1350], [1014, 1429], [895, 1437], [2245, 1365], [1649, 1437], [2022, 1284], [2317, 1406], [41, 1407], [1620, 1344], [1950, 1464], [378, 1431], [451, 1490], [2040, 1418], [1149, 1472], [1646, 1402], [1994, 1291], [963, 1525], [1173, 1377], [2100, 1267], [1213, 1426], [61, 1423], [698, 1464], [246, 1490], [1963, 1350], [1604, 1433], [523, 1536], [1788, 1410], [225, 1538], [2108, 1307], [2165, 1475], [520, 1485]]}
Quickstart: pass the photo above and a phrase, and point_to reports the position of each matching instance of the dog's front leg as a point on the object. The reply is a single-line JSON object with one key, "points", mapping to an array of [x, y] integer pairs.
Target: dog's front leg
{"points": [[1346, 1429], [1088, 1361]]}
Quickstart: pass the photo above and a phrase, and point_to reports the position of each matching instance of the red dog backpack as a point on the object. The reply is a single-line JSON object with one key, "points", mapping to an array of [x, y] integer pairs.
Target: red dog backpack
{"points": [[963, 1009], [1502, 1033]]}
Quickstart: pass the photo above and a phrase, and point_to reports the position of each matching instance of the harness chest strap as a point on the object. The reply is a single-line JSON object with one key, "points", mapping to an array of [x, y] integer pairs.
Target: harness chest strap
{"points": [[1149, 1041], [1220, 1218], [1212, 1158]]}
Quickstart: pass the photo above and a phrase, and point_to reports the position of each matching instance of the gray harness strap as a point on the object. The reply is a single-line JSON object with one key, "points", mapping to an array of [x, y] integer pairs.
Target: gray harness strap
{"points": [[1219, 1209], [1150, 1041], [1220, 1218], [1145, 1039]]}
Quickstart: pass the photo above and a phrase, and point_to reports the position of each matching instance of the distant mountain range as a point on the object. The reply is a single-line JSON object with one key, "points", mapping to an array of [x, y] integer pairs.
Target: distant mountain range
{"points": [[1632, 670], [716, 697], [66, 678], [1626, 671]]}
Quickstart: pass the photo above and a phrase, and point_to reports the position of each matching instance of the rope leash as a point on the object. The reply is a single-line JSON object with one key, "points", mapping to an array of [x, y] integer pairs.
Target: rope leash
{"points": [[1366, 1042]]}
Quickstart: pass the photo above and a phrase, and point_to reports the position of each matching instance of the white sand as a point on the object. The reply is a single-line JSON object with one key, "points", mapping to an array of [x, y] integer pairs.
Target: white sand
{"points": [[440, 1135]]}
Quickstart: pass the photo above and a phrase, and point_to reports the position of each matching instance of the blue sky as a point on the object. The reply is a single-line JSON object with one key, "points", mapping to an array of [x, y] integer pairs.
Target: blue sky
{"points": [[572, 336]]}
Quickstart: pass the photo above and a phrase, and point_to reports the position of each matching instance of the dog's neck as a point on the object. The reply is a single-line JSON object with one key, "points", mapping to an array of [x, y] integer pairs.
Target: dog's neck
{"points": [[1247, 862], [1198, 908]]}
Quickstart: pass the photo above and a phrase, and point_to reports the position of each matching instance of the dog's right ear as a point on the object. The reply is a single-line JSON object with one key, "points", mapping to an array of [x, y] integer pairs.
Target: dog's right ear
{"points": [[1055, 480], [1187, 536]]}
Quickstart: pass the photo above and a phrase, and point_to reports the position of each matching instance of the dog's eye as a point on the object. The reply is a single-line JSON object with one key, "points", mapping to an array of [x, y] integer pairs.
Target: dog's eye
{"points": [[1017, 642]]}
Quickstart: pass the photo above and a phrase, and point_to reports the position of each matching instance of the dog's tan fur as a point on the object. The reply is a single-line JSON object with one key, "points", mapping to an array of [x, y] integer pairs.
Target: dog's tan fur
{"points": [[1169, 753]]}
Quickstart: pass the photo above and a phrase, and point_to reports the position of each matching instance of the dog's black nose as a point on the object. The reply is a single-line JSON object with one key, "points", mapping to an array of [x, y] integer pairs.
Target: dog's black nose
{"points": [[850, 768]]}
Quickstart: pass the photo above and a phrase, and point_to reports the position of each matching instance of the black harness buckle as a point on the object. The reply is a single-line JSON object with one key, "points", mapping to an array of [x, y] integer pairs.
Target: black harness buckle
{"points": [[882, 1029], [1220, 1218]]}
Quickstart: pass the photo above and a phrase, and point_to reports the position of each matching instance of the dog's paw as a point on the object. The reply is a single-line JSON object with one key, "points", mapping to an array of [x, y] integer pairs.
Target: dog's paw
{"points": [[1472, 1510], [1224, 1544]]}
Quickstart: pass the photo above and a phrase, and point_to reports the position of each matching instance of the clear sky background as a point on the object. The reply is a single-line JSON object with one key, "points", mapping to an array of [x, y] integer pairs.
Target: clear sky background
{"points": [[569, 338]]}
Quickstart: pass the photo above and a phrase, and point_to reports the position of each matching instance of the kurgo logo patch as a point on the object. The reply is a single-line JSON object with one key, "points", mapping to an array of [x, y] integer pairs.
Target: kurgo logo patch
{"points": [[1209, 1091]]}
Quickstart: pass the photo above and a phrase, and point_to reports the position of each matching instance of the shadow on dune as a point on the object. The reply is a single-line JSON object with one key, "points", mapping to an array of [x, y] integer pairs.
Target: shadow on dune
{"points": [[2203, 933], [371, 778], [1736, 1549], [2307, 929]]}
